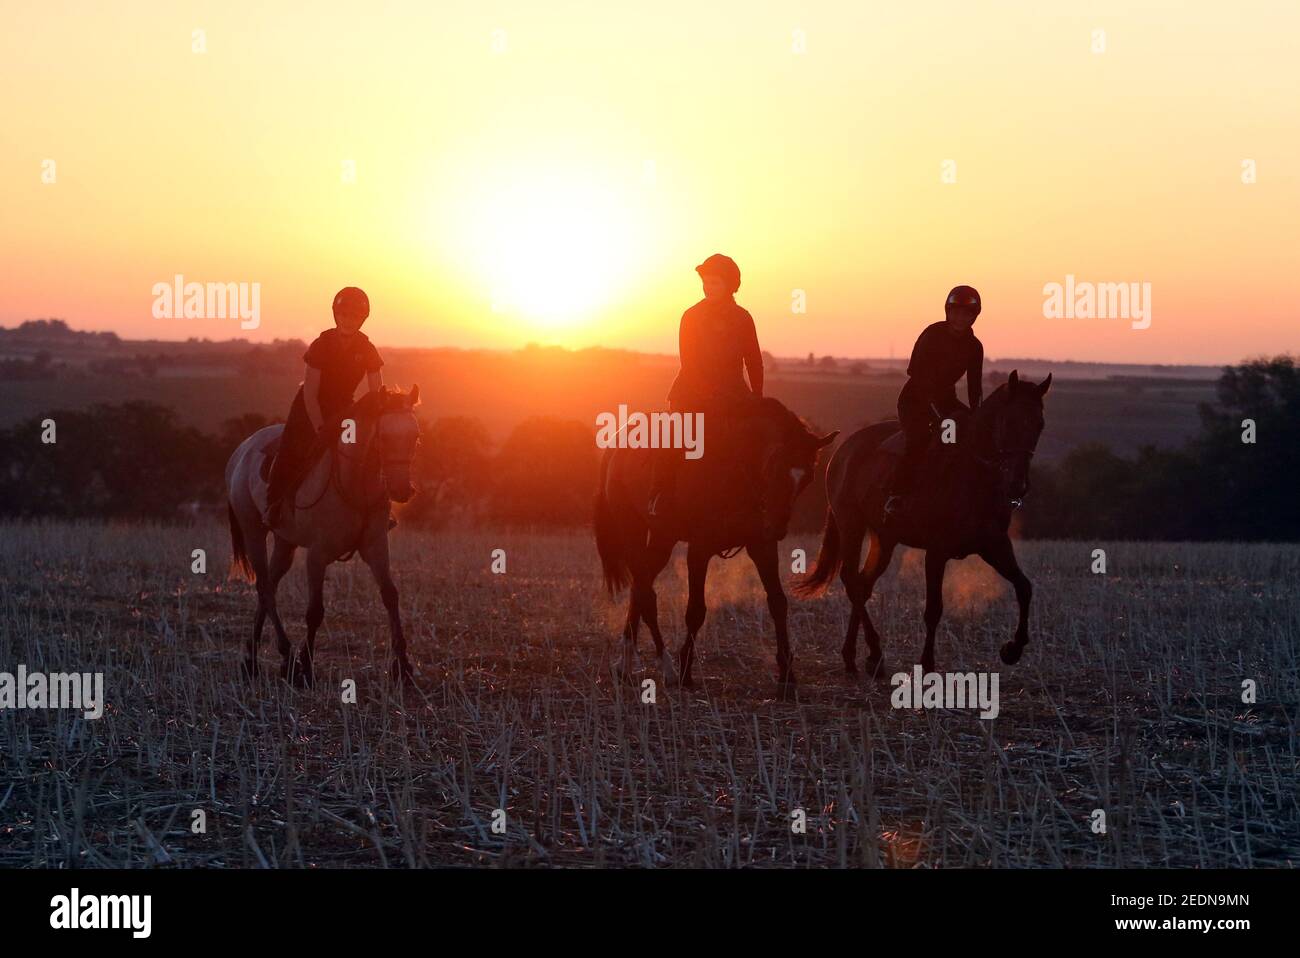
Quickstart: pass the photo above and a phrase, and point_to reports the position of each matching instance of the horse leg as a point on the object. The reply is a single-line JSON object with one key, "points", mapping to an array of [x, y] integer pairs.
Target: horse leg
{"points": [[850, 550], [255, 549], [374, 553], [697, 568], [297, 667], [934, 568], [625, 663], [1002, 557], [648, 602], [879, 555], [765, 561], [282, 551]]}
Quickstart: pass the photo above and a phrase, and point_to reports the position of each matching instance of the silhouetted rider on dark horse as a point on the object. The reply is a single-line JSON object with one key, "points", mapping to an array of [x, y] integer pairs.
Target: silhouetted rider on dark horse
{"points": [[716, 339], [336, 363], [944, 352]]}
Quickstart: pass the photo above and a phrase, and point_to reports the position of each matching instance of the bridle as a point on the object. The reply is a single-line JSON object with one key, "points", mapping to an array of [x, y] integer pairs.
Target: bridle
{"points": [[1001, 456], [335, 479]]}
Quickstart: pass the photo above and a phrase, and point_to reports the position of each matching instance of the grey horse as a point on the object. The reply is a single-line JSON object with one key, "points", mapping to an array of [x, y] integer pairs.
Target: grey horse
{"points": [[341, 506]]}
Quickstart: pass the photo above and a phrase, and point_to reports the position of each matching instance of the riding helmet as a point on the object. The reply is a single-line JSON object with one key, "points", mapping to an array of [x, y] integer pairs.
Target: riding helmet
{"points": [[352, 302], [723, 266], [964, 296]]}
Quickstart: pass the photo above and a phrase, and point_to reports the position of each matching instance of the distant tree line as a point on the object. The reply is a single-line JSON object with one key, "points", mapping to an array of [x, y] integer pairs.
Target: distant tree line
{"points": [[136, 461], [1235, 480]]}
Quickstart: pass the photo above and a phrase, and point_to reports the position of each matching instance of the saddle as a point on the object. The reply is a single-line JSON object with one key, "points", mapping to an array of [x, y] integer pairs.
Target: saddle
{"points": [[269, 452], [936, 461], [719, 492]]}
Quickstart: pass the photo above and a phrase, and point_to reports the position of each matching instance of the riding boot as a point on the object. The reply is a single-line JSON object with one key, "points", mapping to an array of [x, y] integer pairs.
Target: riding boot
{"points": [[663, 488], [901, 485]]}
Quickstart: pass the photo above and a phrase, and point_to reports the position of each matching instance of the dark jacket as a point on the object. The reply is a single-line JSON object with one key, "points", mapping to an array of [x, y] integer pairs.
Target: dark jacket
{"points": [[939, 359], [717, 340]]}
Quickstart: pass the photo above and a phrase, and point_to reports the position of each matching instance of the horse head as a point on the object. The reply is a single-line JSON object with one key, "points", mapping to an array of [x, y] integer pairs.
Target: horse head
{"points": [[787, 458], [396, 433], [1008, 425]]}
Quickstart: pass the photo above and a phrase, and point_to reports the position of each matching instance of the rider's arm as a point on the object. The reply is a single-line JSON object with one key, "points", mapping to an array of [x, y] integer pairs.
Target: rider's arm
{"points": [[374, 380], [975, 376], [753, 356], [921, 365], [686, 343], [311, 396]]}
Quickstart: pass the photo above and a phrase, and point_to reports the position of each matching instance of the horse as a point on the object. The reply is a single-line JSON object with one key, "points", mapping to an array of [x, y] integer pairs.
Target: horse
{"points": [[340, 506], [962, 507], [774, 445]]}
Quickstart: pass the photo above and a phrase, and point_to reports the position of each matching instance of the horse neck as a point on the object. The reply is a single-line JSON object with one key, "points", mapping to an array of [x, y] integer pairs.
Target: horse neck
{"points": [[356, 460]]}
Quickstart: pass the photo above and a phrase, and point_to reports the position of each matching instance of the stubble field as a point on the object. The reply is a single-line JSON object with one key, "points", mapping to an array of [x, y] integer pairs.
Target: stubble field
{"points": [[1128, 700]]}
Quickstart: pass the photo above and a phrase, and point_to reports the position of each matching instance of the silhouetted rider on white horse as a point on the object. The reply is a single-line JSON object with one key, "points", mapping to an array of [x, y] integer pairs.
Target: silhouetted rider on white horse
{"points": [[718, 343], [337, 360], [944, 352]]}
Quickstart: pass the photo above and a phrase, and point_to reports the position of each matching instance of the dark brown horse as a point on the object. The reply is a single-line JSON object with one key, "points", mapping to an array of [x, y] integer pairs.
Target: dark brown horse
{"points": [[963, 506], [774, 458]]}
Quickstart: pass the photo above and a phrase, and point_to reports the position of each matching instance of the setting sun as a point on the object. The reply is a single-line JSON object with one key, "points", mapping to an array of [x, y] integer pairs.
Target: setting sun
{"points": [[549, 251]]}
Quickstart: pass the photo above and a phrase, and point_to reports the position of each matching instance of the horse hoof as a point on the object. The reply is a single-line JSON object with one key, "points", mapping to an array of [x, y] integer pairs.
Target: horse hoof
{"points": [[786, 691], [1011, 652], [401, 673], [851, 668], [666, 667], [927, 665], [297, 673]]}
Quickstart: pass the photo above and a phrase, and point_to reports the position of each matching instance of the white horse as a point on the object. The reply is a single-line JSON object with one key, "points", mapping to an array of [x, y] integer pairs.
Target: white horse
{"points": [[340, 506]]}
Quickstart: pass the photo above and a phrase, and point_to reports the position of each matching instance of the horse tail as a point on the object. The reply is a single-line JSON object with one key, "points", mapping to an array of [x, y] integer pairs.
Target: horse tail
{"points": [[818, 580], [613, 560], [240, 565]]}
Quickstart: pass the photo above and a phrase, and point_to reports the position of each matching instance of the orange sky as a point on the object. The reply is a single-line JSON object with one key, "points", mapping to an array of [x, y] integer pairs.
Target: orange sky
{"points": [[552, 172]]}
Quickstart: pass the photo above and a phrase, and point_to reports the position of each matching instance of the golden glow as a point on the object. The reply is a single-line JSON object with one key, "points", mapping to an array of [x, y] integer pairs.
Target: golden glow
{"points": [[575, 161], [549, 250]]}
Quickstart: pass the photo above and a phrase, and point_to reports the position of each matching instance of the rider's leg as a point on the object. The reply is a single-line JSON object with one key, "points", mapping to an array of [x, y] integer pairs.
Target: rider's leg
{"points": [[914, 418], [663, 481], [295, 442]]}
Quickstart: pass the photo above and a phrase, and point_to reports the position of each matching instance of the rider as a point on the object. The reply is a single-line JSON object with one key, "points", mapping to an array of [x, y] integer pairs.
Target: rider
{"points": [[336, 362], [716, 338], [943, 353]]}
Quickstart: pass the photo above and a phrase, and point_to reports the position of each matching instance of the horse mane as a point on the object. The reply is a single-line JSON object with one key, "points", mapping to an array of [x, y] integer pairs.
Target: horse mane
{"points": [[775, 411], [1001, 396], [385, 399], [371, 406]]}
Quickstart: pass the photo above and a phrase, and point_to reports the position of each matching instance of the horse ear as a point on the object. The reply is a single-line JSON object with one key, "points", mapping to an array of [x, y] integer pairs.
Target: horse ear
{"points": [[826, 440], [1013, 381], [415, 396], [1045, 385]]}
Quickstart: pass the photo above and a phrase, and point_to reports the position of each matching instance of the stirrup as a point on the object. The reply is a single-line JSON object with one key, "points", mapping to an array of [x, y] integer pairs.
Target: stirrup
{"points": [[894, 505]]}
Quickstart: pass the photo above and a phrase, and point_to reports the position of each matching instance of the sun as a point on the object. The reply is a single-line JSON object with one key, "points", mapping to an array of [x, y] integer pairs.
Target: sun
{"points": [[552, 251]]}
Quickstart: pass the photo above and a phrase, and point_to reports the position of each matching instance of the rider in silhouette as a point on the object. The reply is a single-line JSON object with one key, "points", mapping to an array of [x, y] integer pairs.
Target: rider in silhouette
{"points": [[336, 363], [716, 339], [943, 353]]}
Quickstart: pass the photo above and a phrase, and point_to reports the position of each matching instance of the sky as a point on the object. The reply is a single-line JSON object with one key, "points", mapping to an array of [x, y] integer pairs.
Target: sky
{"points": [[497, 173]]}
